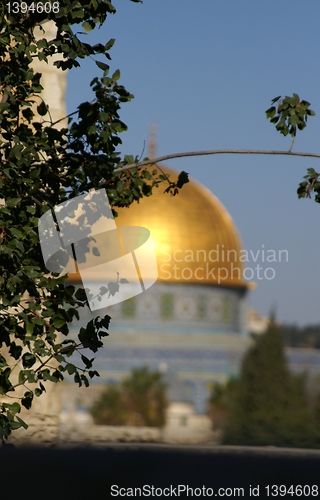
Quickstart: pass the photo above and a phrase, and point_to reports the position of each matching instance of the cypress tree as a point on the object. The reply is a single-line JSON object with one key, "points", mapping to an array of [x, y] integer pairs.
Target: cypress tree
{"points": [[269, 405]]}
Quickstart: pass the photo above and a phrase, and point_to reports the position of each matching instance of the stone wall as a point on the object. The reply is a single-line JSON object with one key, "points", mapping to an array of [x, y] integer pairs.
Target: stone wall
{"points": [[77, 428]]}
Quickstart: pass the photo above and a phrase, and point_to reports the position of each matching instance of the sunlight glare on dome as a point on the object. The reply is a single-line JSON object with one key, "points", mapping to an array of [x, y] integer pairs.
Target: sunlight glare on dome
{"points": [[194, 235]]}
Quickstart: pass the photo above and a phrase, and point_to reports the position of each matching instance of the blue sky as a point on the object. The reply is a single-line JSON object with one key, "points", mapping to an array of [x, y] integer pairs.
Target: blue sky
{"points": [[205, 72]]}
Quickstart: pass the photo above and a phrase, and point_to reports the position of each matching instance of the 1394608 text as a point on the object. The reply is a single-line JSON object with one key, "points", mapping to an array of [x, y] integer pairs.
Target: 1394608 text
{"points": [[34, 7]]}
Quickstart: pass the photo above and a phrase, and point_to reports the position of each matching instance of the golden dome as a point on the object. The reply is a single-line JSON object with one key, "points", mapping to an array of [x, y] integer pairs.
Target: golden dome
{"points": [[195, 238]]}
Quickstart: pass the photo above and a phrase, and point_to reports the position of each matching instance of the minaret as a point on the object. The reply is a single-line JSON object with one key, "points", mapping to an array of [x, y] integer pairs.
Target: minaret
{"points": [[53, 80], [152, 141]]}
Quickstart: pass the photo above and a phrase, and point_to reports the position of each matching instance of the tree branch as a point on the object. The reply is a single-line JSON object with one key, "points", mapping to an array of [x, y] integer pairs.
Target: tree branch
{"points": [[214, 152]]}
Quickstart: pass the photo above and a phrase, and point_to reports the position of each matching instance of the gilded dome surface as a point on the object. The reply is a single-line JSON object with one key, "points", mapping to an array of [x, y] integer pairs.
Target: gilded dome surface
{"points": [[195, 238]]}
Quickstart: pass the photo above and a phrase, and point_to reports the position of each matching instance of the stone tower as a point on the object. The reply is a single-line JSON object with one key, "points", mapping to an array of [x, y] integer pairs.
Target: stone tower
{"points": [[54, 80]]}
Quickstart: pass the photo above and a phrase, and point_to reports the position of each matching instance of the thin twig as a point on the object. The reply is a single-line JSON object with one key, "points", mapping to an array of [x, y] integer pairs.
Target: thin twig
{"points": [[292, 143]]}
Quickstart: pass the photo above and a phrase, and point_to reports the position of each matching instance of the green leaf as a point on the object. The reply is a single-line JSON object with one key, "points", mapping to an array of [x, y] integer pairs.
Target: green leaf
{"points": [[311, 171], [22, 423], [70, 368], [26, 401], [58, 321], [42, 43], [129, 159], [294, 120], [104, 117], [28, 360], [42, 109], [305, 104], [77, 379], [16, 152], [56, 376], [12, 202], [86, 361], [85, 380], [3, 361], [15, 425], [13, 407], [182, 179], [31, 210], [5, 384], [271, 112], [18, 245], [103, 66], [275, 119], [15, 232], [81, 294], [88, 25], [120, 187], [29, 328], [113, 193], [275, 99], [92, 130], [109, 44], [116, 75], [15, 350], [3, 106]]}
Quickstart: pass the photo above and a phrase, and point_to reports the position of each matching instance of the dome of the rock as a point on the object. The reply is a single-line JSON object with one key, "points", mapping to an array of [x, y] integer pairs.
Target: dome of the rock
{"points": [[192, 320], [195, 238]]}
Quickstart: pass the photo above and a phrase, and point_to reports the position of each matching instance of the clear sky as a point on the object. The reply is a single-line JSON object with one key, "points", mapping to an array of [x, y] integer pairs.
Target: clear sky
{"points": [[205, 72]]}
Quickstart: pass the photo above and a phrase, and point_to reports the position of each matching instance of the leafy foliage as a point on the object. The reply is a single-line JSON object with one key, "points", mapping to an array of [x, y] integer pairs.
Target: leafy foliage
{"points": [[140, 400], [312, 183], [289, 114], [40, 167], [174, 187]]}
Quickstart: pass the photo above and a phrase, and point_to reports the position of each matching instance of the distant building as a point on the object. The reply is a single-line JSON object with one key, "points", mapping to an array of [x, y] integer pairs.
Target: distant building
{"points": [[256, 322]]}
